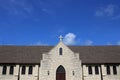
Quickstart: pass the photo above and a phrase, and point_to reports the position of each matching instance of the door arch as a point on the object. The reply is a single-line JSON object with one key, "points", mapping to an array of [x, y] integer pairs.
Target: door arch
{"points": [[60, 73]]}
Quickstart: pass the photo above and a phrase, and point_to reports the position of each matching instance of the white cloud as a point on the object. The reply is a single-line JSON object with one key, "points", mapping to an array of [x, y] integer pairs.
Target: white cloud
{"points": [[118, 43], [109, 10], [70, 39], [88, 42]]}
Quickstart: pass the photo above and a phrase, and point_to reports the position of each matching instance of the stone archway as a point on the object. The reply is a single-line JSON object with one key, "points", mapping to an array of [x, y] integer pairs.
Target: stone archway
{"points": [[60, 73]]}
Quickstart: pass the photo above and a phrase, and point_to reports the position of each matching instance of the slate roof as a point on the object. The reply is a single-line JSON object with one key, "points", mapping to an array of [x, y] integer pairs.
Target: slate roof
{"points": [[33, 54]]}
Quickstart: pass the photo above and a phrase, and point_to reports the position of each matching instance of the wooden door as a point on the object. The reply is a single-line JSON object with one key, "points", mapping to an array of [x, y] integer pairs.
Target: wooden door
{"points": [[60, 73]]}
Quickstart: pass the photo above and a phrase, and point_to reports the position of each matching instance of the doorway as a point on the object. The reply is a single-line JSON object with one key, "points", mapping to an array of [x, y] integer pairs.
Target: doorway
{"points": [[60, 73]]}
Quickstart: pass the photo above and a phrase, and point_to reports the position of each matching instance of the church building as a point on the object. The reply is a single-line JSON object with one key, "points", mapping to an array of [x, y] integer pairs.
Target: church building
{"points": [[60, 62]]}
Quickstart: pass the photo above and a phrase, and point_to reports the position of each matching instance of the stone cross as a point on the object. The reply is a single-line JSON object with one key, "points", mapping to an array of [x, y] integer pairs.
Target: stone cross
{"points": [[60, 37]]}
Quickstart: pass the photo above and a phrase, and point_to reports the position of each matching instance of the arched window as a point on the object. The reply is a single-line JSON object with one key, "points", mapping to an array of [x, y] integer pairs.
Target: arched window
{"points": [[60, 69], [60, 51]]}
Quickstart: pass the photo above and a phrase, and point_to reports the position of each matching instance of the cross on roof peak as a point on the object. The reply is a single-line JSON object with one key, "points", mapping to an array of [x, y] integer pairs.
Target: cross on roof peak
{"points": [[60, 37]]}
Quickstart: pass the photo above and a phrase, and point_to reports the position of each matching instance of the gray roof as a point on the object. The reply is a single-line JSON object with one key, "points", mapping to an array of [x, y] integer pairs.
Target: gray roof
{"points": [[33, 54]]}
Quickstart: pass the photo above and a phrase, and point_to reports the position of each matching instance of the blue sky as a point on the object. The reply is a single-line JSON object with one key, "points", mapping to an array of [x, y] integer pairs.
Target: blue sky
{"points": [[40, 22]]}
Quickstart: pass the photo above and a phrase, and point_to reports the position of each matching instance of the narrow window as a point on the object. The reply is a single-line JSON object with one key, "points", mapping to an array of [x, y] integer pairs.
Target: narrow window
{"points": [[90, 69], [108, 69], [4, 70], [114, 70], [48, 73], [30, 70], [73, 73], [96, 70], [60, 51], [23, 70], [11, 70]]}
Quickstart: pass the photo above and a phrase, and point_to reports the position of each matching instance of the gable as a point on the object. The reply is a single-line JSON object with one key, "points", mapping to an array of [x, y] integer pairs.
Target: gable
{"points": [[60, 46]]}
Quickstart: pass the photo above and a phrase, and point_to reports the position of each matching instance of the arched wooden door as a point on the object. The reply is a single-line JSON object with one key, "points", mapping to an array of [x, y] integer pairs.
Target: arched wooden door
{"points": [[60, 73]]}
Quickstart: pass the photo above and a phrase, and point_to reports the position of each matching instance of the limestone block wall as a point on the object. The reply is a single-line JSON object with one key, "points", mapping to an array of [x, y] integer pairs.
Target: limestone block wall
{"points": [[50, 66], [93, 76], [102, 73], [8, 76], [111, 76], [26, 76], [52, 60]]}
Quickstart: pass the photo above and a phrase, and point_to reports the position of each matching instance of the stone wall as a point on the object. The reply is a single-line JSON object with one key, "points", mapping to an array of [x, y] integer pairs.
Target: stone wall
{"points": [[87, 76], [8, 76], [102, 73], [69, 60], [111, 76], [26, 76]]}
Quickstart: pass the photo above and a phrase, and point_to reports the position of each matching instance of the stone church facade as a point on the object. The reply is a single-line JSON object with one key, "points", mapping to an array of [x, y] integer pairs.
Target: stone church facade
{"points": [[60, 62]]}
